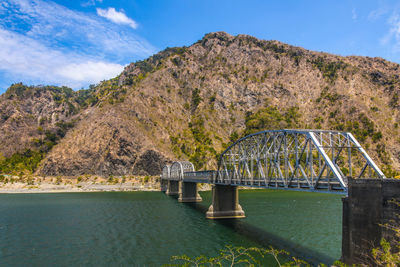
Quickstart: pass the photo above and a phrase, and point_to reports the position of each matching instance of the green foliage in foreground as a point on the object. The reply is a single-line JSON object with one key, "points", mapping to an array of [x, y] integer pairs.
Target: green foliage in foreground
{"points": [[386, 255], [240, 256], [253, 256]]}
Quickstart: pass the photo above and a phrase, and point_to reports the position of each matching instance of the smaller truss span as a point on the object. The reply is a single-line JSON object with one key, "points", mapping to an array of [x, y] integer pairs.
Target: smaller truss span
{"points": [[178, 169]]}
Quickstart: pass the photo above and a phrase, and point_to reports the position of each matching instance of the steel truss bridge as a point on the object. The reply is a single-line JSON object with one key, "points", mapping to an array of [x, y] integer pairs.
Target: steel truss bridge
{"points": [[307, 160]]}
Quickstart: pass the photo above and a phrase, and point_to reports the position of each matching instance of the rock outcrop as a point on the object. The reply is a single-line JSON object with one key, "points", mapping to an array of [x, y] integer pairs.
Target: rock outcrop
{"points": [[190, 102]]}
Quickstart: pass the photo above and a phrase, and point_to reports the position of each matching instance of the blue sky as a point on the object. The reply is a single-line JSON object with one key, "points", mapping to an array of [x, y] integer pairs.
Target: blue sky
{"points": [[80, 42]]}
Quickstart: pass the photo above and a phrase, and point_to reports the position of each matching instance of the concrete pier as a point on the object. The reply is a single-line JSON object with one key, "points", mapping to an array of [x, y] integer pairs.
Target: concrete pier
{"points": [[163, 185], [225, 203], [366, 209], [172, 188], [189, 193]]}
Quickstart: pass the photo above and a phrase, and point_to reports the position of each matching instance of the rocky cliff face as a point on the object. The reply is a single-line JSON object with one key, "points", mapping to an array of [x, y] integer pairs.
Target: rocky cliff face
{"points": [[27, 114], [190, 102]]}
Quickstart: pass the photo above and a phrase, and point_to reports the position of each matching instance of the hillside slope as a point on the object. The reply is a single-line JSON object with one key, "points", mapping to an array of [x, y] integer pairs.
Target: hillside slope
{"points": [[190, 102]]}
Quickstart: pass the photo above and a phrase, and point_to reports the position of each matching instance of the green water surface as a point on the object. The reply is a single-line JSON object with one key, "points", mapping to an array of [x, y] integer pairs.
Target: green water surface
{"points": [[147, 228]]}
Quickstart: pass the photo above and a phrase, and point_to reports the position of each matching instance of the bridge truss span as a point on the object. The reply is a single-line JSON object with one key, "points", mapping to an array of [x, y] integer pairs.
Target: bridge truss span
{"points": [[166, 172], [178, 169], [295, 159]]}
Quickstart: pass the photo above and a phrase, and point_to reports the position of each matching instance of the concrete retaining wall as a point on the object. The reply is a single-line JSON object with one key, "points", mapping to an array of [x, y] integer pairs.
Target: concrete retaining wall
{"points": [[368, 207]]}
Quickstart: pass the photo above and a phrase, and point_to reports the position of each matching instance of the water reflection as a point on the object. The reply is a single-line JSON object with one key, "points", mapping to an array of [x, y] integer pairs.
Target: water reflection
{"points": [[266, 239]]}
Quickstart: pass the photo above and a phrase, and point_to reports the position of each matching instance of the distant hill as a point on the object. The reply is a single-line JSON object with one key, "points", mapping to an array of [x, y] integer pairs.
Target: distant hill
{"points": [[191, 102]]}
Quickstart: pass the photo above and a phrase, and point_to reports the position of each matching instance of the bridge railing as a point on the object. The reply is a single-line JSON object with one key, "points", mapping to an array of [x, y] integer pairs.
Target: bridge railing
{"points": [[199, 176]]}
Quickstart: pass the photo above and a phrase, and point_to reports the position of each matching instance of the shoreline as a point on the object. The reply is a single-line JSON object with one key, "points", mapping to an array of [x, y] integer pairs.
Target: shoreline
{"points": [[85, 183], [105, 188], [81, 184], [20, 188]]}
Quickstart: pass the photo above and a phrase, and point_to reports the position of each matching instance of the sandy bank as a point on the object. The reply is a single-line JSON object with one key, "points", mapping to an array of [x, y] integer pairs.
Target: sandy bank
{"points": [[54, 188], [36, 184]]}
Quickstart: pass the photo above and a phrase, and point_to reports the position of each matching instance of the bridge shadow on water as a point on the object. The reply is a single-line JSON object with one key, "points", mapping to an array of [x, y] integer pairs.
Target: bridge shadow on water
{"points": [[266, 239]]}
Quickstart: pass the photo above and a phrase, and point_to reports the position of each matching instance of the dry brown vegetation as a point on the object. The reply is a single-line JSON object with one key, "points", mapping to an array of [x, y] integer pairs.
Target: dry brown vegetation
{"points": [[190, 102]]}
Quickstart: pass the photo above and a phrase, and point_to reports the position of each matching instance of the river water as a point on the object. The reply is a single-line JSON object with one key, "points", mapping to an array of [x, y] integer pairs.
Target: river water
{"points": [[147, 228]]}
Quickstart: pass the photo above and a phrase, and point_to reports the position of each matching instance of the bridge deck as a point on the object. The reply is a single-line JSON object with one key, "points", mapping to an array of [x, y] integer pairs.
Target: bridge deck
{"points": [[209, 177]]}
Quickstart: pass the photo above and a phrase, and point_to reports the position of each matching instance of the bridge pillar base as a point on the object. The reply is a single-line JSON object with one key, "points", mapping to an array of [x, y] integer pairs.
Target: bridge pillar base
{"points": [[163, 185], [173, 188], [225, 203], [189, 193]]}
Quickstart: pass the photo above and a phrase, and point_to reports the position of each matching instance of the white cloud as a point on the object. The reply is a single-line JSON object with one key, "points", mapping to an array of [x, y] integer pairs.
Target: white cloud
{"points": [[377, 13], [55, 25], [22, 56], [89, 71], [44, 42], [116, 17], [392, 37]]}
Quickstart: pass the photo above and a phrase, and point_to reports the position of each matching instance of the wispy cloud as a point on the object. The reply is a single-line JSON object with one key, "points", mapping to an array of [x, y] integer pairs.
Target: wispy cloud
{"points": [[50, 43], [378, 13], [116, 17], [90, 3], [392, 37], [22, 55]]}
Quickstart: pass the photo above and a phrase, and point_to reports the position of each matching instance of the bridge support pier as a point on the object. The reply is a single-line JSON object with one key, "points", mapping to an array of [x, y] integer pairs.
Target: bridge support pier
{"points": [[172, 188], [225, 203], [163, 185], [189, 192], [366, 209]]}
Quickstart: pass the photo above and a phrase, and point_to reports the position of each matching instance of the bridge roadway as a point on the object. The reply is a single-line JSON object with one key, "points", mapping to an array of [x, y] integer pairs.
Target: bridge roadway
{"points": [[305, 160], [209, 177]]}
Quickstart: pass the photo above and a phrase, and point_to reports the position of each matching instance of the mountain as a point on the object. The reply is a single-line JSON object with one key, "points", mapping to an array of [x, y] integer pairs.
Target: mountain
{"points": [[191, 102]]}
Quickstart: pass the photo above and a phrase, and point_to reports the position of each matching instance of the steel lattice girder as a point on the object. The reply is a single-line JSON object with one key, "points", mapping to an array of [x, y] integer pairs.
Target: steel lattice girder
{"points": [[311, 160], [178, 169], [166, 172], [295, 159]]}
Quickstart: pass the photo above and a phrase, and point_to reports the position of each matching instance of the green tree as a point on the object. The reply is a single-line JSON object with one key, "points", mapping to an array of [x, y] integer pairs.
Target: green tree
{"points": [[240, 256]]}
